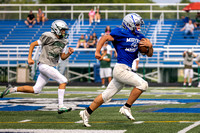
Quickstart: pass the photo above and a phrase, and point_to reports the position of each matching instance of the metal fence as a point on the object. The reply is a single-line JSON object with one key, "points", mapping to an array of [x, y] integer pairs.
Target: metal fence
{"points": [[108, 10]]}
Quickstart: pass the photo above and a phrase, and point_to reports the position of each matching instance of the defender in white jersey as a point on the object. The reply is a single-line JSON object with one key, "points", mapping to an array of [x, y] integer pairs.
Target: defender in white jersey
{"points": [[54, 45]]}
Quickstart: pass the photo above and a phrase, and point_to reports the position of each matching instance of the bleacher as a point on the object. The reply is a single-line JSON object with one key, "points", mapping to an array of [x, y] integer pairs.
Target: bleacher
{"points": [[15, 35]]}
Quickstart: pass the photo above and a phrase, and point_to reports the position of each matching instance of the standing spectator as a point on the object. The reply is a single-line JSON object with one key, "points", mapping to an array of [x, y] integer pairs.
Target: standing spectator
{"points": [[91, 16], [107, 30], [97, 16], [108, 47], [91, 42], [105, 69], [53, 46], [95, 38], [135, 64], [189, 29], [30, 21], [41, 16], [188, 70], [197, 20], [198, 63], [81, 42]]}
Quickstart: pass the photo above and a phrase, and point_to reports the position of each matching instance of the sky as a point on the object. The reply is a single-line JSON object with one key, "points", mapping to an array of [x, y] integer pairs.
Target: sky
{"points": [[172, 1]]}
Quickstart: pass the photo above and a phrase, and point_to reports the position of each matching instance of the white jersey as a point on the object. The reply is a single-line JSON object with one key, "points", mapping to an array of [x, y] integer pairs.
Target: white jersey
{"points": [[52, 47]]}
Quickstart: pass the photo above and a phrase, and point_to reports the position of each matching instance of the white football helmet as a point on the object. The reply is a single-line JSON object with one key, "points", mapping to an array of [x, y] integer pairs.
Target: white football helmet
{"points": [[57, 26], [131, 20]]}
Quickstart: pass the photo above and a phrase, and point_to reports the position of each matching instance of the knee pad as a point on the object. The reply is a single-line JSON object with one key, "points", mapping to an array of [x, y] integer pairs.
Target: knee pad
{"points": [[144, 85], [37, 89]]}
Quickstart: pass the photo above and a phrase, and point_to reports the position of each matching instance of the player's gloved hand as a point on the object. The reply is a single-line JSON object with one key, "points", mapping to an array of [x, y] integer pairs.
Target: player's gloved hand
{"points": [[30, 61], [98, 55]]}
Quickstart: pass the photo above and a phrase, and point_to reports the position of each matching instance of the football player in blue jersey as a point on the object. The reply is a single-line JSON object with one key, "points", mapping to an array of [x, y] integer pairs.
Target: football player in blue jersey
{"points": [[125, 40]]}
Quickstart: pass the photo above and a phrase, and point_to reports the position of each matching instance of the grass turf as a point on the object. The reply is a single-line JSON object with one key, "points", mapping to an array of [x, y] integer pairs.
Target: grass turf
{"points": [[106, 118]]}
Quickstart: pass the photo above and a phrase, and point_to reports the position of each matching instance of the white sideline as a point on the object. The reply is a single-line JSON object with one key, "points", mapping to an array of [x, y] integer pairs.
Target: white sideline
{"points": [[61, 131], [189, 127]]}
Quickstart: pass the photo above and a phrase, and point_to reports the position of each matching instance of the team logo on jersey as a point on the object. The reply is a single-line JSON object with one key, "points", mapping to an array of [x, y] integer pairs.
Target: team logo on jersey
{"points": [[134, 40], [134, 45]]}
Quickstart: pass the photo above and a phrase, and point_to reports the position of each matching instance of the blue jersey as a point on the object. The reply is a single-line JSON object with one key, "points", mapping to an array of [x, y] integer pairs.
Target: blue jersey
{"points": [[126, 45]]}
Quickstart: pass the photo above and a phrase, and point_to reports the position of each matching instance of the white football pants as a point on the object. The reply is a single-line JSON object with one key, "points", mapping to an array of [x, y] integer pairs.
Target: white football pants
{"points": [[122, 74], [47, 72]]}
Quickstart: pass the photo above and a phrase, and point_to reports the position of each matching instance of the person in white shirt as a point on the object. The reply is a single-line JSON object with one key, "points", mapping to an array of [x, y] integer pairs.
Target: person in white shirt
{"points": [[189, 29], [108, 47], [135, 64]]}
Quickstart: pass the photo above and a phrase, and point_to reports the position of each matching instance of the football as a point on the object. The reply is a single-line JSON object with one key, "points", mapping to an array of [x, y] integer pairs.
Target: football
{"points": [[142, 49]]}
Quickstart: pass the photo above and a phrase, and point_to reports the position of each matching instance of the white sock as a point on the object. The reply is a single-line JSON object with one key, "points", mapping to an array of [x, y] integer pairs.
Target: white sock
{"points": [[12, 90], [61, 93], [190, 84], [184, 83]]}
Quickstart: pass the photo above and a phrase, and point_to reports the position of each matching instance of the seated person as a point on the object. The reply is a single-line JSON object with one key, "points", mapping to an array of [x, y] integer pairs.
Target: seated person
{"points": [[81, 42], [107, 30], [30, 21], [91, 42], [189, 29], [97, 16], [197, 20], [91, 16], [40, 16], [95, 38]]}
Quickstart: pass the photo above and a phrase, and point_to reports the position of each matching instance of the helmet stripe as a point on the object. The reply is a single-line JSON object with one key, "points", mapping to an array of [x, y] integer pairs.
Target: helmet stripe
{"points": [[133, 19], [126, 26]]}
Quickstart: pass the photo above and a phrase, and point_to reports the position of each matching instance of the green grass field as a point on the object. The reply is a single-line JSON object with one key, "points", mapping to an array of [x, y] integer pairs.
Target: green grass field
{"points": [[105, 118]]}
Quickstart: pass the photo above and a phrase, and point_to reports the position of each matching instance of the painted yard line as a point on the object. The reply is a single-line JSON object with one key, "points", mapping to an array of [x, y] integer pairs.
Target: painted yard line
{"points": [[24, 121], [61, 131], [190, 127], [138, 122], [114, 122]]}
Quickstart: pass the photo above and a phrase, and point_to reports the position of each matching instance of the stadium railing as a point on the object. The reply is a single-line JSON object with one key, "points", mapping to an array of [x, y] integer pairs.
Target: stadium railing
{"points": [[158, 29], [73, 9]]}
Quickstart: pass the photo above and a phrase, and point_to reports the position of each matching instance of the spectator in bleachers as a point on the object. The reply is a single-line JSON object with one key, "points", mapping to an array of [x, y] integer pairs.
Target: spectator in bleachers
{"points": [[81, 42], [189, 29], [95, 38], [91, 42], [107, 30], [102, 34], [91, 16], [188, 70], [197, 20], [105, 68], [185, 19], [30, 21], [97, 16], [41, 16]]}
